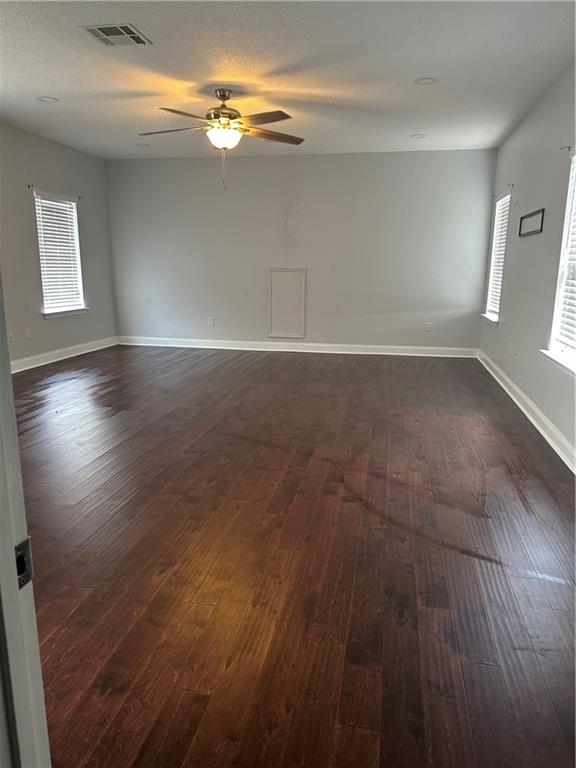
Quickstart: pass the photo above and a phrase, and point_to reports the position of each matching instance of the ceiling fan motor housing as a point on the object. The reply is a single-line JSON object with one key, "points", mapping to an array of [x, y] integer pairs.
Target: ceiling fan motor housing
{"points": [[222, 112]]}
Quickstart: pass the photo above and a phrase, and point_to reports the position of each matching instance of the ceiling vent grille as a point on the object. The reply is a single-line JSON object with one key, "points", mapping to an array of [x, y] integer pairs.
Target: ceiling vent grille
{"points": [[118, 34]]}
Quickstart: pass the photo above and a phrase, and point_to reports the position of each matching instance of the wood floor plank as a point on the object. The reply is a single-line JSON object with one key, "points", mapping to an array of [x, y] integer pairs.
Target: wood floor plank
{"points": [[448, 733], [274, 703], [170, 735], [355, 747], [402, 721], [362, 675], [310, 740], [333, 614], [471, 621], [494, 731]]}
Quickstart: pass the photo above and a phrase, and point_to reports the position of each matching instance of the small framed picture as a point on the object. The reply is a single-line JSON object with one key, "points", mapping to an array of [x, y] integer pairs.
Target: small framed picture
{"points": [[531, 223]]}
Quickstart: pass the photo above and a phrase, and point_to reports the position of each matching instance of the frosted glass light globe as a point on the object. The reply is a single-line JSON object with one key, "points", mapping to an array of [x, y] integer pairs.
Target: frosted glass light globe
{"points": [[224, 138]]}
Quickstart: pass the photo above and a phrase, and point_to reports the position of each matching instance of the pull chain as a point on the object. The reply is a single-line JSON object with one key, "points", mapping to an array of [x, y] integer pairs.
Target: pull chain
{"points": [[224, 169]]}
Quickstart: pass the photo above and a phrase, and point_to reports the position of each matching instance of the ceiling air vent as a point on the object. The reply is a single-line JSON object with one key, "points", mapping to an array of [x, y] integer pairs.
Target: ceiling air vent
{"points": [[118, 34]]}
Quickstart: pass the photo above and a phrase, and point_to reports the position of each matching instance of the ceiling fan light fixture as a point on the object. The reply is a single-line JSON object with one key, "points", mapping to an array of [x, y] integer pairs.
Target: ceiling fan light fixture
{"points": [[225, 126], [224, 137]]}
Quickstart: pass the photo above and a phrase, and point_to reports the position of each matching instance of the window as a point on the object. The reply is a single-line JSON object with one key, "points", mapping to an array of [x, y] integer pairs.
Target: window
{"points": [[497, 257], [563, 339], [57, 222]]}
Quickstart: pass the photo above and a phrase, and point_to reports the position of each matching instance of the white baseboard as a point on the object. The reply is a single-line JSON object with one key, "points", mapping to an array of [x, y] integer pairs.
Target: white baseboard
{"points": [[299, 346], [24, 363], [547, 429]]}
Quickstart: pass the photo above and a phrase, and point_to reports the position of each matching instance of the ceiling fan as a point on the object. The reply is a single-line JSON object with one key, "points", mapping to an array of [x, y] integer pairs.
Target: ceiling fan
{"points": [[225, 126]]}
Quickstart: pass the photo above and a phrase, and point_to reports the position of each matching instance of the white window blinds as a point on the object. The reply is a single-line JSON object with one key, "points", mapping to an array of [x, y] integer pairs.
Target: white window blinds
{"points": [[57, 222], [497, 256], [564, 326]]}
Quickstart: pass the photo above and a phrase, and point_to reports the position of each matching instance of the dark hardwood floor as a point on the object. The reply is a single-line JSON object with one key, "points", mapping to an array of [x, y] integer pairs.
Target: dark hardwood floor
{"points": [[271, 559]]}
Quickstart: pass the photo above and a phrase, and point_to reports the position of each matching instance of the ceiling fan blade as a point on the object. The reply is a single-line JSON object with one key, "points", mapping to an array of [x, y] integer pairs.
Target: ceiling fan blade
{"points": [[264, 117], [262, 133], [174, 130], [186, 114]]}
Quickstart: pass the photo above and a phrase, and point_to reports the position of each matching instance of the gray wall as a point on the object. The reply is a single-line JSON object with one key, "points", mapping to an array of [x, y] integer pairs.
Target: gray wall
{"points": [[391, 240], [531, 159], [28, 159]]}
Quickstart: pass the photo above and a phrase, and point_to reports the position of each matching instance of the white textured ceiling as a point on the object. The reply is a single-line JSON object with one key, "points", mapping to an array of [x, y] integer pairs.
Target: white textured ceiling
{"points": [[345, 71]]}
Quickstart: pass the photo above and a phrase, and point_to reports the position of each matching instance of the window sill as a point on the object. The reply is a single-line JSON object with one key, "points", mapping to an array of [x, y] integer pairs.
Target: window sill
{"points": [[562, 359], [65, 312], [491, 317]]}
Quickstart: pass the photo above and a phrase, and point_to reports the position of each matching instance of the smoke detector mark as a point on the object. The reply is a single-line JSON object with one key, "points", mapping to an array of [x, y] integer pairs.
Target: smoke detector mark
{"points": [[118, 34]]}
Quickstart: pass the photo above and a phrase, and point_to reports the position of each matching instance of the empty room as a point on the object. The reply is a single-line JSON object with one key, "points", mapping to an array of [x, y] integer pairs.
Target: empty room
{"points": [[287, 397]]}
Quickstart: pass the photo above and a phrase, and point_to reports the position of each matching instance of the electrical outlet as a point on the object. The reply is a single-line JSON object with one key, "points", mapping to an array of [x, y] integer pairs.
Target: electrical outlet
{"points": [[10, 337], [428, 326], [28, 333], [211, 320]]}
